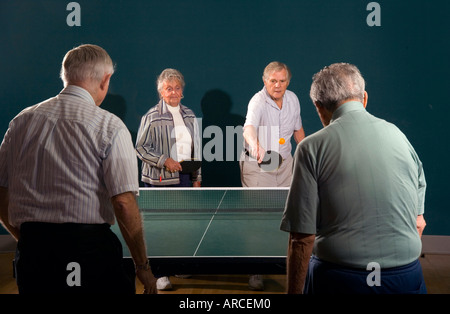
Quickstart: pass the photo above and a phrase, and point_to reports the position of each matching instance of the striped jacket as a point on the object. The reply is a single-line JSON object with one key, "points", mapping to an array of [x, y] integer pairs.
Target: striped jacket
{"points": [[156, 142]]}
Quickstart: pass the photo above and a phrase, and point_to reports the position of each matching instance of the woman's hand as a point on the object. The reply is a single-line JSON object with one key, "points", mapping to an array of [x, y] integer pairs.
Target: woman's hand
{"points": [[172, 165]]}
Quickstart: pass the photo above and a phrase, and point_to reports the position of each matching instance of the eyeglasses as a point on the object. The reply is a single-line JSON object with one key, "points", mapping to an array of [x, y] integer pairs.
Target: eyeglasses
{"points": [[170, 90]]}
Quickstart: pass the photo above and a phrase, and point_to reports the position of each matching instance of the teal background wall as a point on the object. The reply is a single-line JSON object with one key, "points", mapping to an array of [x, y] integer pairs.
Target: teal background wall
{"points": [[222, 47]]}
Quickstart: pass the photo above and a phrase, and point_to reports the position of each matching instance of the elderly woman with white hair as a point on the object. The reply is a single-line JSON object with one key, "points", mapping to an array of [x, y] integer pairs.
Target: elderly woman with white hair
{"points": [[168, 134]]}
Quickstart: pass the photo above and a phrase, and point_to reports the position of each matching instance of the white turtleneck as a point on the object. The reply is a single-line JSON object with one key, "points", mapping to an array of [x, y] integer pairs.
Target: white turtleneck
{"points": [[182, 135]]}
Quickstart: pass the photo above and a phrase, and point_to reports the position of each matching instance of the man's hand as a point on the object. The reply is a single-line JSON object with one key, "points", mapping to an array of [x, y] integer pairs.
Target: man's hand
{"points": [[420, 224], [130, 223], [148, 280], [258, 153], [4, 215], [196, 184]]}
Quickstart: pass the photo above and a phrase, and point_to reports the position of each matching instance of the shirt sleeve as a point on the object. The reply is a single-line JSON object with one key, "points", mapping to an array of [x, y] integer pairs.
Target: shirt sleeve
{"points": [[120, 165], [197, 175], [145, 147], [4, 160], [302, 204], [254, 111], [421, 188], [421, 182], [298, 121]]}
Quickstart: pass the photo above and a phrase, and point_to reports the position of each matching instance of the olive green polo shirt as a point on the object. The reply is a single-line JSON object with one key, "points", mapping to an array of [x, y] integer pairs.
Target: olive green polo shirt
{"points": [[358, 185]]}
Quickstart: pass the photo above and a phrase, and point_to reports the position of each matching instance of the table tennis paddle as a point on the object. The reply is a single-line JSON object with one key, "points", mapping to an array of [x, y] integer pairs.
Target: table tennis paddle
{"points": [[272, 161], [190, 165]]}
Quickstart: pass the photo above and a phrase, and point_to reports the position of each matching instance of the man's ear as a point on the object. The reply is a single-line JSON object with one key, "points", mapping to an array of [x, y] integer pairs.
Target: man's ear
{"points": [[319, 107], [105, 82], [324, 115], [366, 96]]}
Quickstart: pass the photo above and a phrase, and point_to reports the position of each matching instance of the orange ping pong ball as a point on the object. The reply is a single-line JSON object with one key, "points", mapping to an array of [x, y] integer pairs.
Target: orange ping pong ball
{"points": [[282, 141]]}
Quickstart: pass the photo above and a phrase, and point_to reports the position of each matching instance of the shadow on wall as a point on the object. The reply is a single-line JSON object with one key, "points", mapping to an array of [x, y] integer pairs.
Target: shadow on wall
{"points": [[220, 171], [117, 105], [216, 105]]}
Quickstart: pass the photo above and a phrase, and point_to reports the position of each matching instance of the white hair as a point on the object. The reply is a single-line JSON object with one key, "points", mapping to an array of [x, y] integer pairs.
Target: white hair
{"points": [[337, 83], [85, 63], [168, 75], [276, 66]]}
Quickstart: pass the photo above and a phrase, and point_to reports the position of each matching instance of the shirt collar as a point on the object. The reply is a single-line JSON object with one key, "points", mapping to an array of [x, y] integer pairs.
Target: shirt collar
{"points": [[164, 107], [269, 99], [346, 108], [78, 91]]}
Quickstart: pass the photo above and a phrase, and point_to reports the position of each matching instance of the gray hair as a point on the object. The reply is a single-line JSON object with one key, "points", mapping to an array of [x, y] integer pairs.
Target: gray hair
{"points": [[84, 63], [276, 66], [169, 75], [337, 83]]}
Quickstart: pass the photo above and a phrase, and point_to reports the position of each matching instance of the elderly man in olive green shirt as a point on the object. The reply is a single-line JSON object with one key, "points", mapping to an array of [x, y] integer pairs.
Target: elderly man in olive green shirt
{"points": [[356, 198]]}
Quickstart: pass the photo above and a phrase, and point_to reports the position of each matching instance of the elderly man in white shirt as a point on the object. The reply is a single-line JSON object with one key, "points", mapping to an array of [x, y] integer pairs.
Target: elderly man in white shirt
{"points": [[273, 118]]}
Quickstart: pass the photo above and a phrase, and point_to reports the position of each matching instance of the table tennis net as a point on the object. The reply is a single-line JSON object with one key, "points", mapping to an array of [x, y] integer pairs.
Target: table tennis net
{"points": [[212, 199]]}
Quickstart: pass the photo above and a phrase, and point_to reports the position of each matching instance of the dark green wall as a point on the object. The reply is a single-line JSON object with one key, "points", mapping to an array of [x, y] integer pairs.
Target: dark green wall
{"points": [[221, 47]]}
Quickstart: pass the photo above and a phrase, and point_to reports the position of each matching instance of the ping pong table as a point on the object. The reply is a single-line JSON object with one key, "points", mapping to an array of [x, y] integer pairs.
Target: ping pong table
{"points": [[212, 230]]}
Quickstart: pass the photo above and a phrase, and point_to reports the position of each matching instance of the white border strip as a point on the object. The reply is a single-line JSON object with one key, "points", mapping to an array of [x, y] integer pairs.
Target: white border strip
{"points": [[217, 256], [214, 189]]}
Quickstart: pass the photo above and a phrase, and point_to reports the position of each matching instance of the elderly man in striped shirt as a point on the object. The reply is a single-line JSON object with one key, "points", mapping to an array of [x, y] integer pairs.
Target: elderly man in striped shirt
{"points": [[68, 171]]}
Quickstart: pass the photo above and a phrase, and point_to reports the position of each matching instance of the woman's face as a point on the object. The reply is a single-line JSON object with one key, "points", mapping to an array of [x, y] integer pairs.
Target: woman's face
{"points": [[172, 92]]}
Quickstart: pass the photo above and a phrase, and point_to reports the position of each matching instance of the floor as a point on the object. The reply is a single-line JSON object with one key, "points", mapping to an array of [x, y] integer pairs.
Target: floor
{"points": [[436, 269]]}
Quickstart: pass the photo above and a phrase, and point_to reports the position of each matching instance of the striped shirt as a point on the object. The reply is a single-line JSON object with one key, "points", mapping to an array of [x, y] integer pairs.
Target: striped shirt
{"points": [[63, 159], [156, 141], [272, 123]]}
